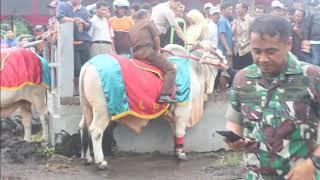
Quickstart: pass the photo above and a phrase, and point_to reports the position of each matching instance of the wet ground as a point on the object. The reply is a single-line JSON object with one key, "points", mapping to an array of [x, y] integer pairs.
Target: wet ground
{"points": [[21, 160], [137, 167]]}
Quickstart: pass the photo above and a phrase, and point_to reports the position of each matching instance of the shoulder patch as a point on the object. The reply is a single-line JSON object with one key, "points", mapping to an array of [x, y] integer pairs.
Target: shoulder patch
{"points": [[240, 78], [311, 70]]}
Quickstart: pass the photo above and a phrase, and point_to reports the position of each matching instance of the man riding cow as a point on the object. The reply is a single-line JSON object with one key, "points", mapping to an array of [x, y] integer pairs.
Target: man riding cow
{"points": [[145, 41]]}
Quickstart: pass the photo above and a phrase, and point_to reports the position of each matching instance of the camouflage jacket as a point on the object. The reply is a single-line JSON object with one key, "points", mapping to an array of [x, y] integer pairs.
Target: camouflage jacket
{"points": [[280, 114]]}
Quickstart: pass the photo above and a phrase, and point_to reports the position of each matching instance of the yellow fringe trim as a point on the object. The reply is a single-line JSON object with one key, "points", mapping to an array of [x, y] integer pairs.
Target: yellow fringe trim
{"points": [[186, 103], [142, 116], [22, 85], [146, 69], [147, 117]]}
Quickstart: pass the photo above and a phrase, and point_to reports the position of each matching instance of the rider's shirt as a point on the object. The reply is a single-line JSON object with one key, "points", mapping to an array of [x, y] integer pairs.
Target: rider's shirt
{"points": [[142, 34]]}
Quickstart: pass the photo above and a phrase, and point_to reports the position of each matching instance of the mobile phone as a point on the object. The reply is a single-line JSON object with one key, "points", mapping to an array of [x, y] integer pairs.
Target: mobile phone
{"points": [[231, 136]]}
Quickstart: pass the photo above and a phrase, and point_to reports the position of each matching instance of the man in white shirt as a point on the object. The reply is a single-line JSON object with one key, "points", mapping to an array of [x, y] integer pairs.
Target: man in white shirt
{"points": [[165, 19], [206, 10], [214, 14], [101, 32]]}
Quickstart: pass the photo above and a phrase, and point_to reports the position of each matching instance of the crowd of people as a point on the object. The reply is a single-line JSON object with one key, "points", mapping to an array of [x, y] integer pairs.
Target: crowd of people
{"points": [[227, 27], [100, 29]]}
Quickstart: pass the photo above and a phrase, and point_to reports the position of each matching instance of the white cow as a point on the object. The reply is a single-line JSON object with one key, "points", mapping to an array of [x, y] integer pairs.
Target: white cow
{"points": [[23, 99], [96, 117], [210, 59]]}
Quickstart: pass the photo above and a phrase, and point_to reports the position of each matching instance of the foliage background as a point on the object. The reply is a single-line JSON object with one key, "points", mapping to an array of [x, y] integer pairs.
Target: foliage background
{"points": [[20, 26]]}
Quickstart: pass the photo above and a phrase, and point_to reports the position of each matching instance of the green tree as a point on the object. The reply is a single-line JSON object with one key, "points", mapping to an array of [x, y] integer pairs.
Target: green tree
{"points": [[21, 27]]}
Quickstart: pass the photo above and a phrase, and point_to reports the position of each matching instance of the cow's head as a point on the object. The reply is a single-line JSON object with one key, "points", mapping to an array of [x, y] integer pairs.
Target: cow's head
{"points": [[209, 54]]}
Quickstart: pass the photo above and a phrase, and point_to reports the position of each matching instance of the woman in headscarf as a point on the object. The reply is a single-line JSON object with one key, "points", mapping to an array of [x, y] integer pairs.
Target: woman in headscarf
{"points": [[198, 28]]}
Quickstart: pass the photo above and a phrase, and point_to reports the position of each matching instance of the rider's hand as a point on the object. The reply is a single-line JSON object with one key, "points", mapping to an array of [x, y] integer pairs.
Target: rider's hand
{"points": [[220, 65], [237, 145], [223, 66]]}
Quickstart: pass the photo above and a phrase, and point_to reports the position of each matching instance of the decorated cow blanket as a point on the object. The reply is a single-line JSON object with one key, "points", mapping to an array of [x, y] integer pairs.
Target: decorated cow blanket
{"points": [[131, 87], [20, 67]]}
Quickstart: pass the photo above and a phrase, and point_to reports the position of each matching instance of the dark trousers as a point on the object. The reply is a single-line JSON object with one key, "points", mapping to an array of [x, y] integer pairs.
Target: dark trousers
{"points": [[305, 57], [158, 60], [315, 54], [81, 56], [240, 62], [165, 39]]}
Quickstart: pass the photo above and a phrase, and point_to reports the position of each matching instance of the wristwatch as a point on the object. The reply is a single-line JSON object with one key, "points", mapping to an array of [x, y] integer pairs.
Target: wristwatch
{"points": [[316, 161]]}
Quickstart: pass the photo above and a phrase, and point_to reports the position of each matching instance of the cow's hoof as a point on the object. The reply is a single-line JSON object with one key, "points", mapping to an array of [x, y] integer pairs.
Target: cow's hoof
{"points": [[103, 165], [28, 140], [88, 161], [205, 98], [181, 156], [82, 157]]}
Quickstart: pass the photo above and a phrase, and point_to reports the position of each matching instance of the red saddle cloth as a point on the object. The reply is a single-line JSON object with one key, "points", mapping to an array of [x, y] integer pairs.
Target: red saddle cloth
{"points": [[19, 67], [143, 84], [147, 67]]}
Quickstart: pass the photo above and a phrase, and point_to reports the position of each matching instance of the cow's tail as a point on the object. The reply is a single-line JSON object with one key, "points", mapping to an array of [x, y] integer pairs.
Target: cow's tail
{"points": [[85, 136], [46, 99]]}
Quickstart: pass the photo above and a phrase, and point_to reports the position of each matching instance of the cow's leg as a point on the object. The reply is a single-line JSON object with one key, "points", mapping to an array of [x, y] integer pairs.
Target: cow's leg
{"points": [[181, 119], [26, 118], [211, 79], [173, 128], [89, 159], [92, 92], [41, 108], [85, 121], [85, 137], [81, 126], [44, 116], [85, 145], [99, 124]]}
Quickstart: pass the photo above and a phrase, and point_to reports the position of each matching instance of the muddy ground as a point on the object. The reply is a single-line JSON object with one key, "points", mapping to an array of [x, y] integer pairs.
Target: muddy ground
{"points": [[21, 160]]}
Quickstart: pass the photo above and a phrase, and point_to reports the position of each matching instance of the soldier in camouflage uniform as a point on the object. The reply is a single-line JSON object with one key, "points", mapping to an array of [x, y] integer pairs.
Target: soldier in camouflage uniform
{"points": [[275, 104]]}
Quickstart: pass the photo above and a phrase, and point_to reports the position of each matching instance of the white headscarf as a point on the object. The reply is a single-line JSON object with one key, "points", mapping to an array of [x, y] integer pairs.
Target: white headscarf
{"points": [[198, 29]]}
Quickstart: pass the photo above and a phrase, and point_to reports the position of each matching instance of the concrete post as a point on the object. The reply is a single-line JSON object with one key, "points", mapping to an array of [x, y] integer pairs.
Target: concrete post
{"points": [[252, 7], [66, 60], [63, 117]]}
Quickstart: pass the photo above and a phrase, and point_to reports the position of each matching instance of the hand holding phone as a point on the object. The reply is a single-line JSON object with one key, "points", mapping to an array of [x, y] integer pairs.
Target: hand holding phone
{"points": [[230, 136]]}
